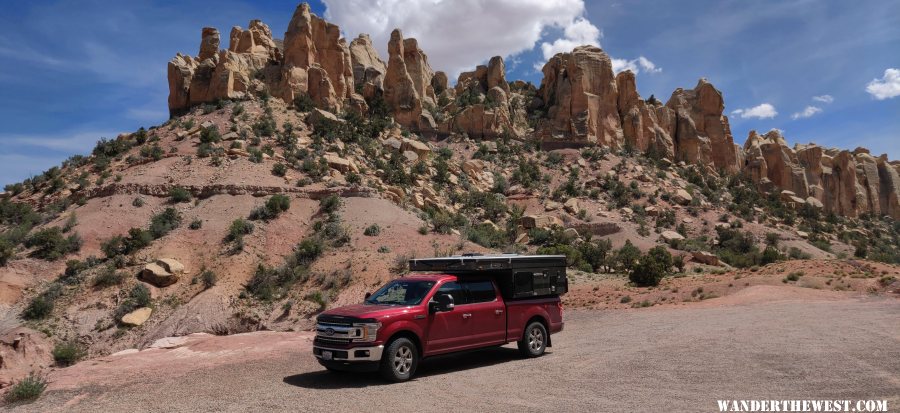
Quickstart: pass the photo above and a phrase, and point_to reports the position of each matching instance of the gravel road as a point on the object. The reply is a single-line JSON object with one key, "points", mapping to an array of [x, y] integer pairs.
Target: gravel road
{"points": [[655, 359]]}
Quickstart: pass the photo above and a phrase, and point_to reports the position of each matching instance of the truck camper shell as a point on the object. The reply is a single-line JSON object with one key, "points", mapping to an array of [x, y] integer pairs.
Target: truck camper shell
{"points": [[518, 276]]}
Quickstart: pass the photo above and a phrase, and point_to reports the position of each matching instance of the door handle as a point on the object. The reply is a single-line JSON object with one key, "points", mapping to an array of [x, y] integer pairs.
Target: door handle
{"points": [[467, 315], [498, 312]]}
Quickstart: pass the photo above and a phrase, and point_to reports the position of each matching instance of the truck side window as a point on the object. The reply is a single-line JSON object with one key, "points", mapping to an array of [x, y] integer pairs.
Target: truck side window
{"points": [[455, 290], [524, 283], [480, 291]]}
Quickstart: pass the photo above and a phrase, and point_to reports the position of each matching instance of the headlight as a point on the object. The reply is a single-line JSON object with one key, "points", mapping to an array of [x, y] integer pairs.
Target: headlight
{"points": [[364, 332]]}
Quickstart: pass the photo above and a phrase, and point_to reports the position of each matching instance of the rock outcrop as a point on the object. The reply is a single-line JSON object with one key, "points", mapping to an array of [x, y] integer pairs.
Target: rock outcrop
{"points": [[648, 126], [403, 94], [368, 68], [581, 101], [843, 182], [702, 132], [483, 108], [578, 94]]}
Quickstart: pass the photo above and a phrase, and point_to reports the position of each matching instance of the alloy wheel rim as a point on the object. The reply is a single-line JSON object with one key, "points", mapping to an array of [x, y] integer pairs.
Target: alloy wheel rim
{"points": [[535, 339], [403, 360]]}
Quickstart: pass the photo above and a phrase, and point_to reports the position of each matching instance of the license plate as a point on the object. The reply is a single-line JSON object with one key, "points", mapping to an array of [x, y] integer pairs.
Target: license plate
{"points": [[326, 355]]}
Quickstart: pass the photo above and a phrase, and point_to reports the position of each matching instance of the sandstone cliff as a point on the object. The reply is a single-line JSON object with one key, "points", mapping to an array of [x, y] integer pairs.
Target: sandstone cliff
{"points": [[581, 101]]}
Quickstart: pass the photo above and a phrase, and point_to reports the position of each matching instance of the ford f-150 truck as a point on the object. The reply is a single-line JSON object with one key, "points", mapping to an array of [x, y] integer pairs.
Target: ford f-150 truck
{"points": [[446, 305]]}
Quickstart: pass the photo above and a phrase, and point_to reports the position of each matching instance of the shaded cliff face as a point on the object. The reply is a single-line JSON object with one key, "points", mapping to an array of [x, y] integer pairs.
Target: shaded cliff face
{"points": [[580, 102]]}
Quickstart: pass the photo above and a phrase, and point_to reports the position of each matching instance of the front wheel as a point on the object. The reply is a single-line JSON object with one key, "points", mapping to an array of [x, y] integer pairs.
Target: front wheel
{"points": [[534, 340], [399, 361]]}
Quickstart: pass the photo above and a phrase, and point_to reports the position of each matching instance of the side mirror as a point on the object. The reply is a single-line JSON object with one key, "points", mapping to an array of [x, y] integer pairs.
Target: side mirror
{"points": [[368, 294], [440, 303]]}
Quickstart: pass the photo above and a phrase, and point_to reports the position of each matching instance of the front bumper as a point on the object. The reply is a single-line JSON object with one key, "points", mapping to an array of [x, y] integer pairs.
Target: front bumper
{"points": [[353, 354]]}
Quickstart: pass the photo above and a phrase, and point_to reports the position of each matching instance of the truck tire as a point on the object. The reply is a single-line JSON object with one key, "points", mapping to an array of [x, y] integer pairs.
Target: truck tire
{"points": [[534, 340], [399, 361]]}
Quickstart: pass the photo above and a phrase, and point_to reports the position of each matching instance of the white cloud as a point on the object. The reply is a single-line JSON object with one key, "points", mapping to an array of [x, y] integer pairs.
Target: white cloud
{"points": [[761, 111], [635, 65], [458, 35], [823, 98], [807, 112], [579, 32], [887, 87]]}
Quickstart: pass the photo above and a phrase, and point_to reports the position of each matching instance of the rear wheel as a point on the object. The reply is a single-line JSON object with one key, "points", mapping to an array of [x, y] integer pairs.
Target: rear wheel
{"points": [[399, 361], [534, 340]]}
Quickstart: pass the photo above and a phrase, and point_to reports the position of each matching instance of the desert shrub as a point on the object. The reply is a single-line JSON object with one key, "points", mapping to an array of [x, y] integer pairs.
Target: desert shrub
{"points": [[164, 222], [7, 251], [308, 250], [29, 388], [107, 276], [303, 103], [209, 279], [486, 235], [279, 169], [330, 204], [273, 207], [238, 229], [68, 353], [651, 267], [50, 243], [42, 305], [197, 223], [210, 135], [138, 296], [178, 194], [137, 202], [793, 277], [372, 230], [627, 257]]}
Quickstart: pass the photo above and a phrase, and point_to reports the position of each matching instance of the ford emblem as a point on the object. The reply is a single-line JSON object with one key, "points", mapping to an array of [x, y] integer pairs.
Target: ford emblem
{"points": [[329, 331]]}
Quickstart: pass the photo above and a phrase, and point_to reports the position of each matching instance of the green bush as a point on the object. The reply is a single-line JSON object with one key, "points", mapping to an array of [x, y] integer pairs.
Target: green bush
{"points": [[42, 305], [50, 243], [330, 204], [210, 135], [372, 230], [29, 388], [279, 169], [138, 296], [164, 222], [197, 223], [178, 194], [209, 279], [238, 229], [7, 251], [274, 206], [107, 277], [627, 257], [652, 267], [68, 353]]}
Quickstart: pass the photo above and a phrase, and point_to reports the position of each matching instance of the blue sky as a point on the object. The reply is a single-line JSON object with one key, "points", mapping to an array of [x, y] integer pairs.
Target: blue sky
{"points": [[73, 72]]}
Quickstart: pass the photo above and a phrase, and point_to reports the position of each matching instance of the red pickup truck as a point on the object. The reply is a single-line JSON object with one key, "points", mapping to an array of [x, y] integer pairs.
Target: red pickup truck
{"points": [[463, 303]]}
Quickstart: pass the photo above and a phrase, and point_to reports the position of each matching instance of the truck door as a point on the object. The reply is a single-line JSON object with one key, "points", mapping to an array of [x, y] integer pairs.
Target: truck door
{"points": [[487, 313], [449, 330]]}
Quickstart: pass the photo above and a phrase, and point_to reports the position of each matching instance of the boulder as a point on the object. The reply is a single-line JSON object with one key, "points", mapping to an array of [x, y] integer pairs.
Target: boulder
{"points": [[137, 317], [669, 236], [171, 265], [340, 164], [682, 197], [704, 257], [157, 275], [571, 206], [420, 148]]}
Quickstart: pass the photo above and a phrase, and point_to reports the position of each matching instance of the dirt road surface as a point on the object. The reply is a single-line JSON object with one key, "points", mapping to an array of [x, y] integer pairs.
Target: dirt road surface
{"points": [[766, 343]]}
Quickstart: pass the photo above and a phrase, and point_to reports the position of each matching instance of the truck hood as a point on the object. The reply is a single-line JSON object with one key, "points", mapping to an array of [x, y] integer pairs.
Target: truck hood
{"points": [[376, 311]]}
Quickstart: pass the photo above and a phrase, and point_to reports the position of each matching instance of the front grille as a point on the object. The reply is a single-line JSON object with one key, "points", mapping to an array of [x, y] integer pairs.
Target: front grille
{"points": [[331, 340]]}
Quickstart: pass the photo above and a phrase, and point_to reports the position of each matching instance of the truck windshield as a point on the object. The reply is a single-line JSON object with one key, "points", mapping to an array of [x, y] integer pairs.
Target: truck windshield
{"points": [[401, 292]]}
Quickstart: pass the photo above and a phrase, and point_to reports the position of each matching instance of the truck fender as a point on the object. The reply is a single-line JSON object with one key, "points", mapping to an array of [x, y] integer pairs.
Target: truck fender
{"points": [[403, 326]]}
